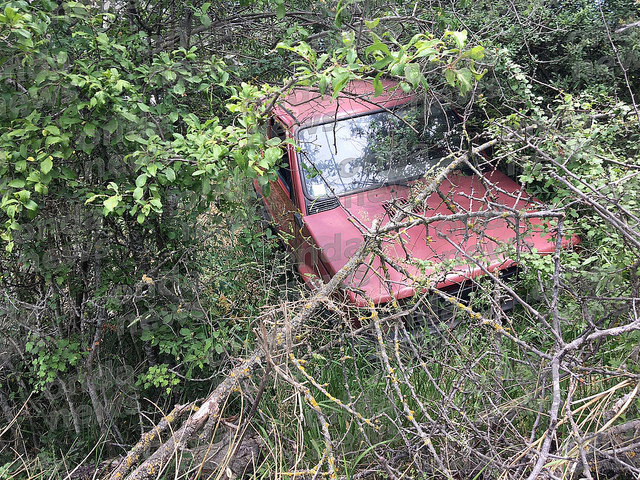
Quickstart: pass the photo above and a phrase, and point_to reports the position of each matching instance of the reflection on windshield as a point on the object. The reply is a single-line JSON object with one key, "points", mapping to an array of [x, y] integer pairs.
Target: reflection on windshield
{"points": [[372, 150]]}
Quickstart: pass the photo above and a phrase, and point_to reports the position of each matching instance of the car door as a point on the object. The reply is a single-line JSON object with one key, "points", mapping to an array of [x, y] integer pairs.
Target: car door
{"points": [[281, 201], [282, 204]]}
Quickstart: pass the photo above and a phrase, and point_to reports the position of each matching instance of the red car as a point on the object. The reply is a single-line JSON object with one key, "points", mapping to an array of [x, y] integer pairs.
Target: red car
{"points": [[358, 158]]}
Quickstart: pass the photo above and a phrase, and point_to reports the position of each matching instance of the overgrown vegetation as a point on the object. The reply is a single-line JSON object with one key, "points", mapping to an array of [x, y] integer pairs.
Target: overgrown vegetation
{"points": [[137, 275]]}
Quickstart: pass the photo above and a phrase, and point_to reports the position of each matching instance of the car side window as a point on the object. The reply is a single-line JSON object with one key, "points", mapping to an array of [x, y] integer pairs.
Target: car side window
{"points": [[284, 171]]}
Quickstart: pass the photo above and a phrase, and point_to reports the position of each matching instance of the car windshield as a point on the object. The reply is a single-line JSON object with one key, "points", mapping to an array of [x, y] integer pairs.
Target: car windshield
{"points": [[377, 149]]}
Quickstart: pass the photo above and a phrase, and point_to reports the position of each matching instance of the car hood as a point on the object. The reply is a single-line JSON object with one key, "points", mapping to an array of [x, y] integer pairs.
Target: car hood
{"points": [[433, 252]]}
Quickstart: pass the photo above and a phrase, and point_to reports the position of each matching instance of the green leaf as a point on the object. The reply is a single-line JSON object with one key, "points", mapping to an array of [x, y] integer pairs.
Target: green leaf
{"points": [[377, 46], [383, 62], [169, 75], [477, 52], [46, 165], [371, 24], [89, 129], [112, 126], [476, 74], [323, 58], [378, 88], [460, 38], [17, 183], [281, 10], [426, 47], [11, 211], [322, 84], [52, 129], [67, 174], [23, 195], [141, 180], [272, 155], [111, 203], [129, 116], [138, 193], [102, 38], [412, 73], [52, 140], [465, 78], [62, 57], [135, 137], [450, 76], [340, 7], [91, 199], [42, 76], [121, 85], [171, 175], [341, 77], [178, 89]]}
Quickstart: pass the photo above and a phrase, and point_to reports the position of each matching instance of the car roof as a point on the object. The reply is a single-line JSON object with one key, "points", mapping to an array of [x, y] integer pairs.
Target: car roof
{"points": [[305, 106]]}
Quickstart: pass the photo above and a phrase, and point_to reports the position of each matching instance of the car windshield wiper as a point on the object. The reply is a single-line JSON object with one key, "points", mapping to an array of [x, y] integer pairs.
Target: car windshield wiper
{"points": [[399, 182]]}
